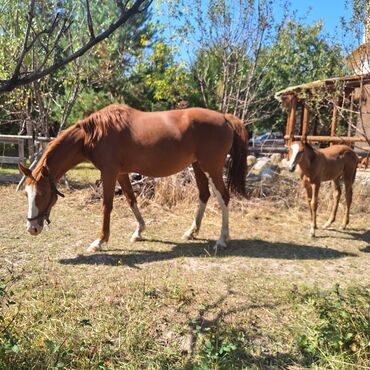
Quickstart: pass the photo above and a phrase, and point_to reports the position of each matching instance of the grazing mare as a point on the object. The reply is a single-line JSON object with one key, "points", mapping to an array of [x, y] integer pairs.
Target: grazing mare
{"points": [[119, 140], [332, 163]]}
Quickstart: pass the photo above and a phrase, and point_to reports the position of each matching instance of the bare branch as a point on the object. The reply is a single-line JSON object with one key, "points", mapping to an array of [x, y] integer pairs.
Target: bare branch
{"points": [[10, 84], [89, 20], [25, 48]]}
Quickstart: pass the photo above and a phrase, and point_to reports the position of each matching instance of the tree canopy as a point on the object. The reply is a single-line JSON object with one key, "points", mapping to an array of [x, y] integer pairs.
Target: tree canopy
{"points": [[238, 55]]}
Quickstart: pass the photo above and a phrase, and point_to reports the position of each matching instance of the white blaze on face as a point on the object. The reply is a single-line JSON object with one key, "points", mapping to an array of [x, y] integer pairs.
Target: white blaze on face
{"points": [[295, 151], [31, 195], [32, 226]]}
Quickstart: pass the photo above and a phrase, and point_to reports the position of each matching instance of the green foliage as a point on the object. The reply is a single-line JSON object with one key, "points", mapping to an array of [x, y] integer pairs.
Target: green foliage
{"points": [[9, 342], [168, 79], [299, 55], [217, 346], [339, 328]]}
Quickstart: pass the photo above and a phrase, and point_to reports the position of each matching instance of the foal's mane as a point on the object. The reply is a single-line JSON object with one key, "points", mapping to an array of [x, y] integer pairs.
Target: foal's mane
{"points": [[97, 125]]}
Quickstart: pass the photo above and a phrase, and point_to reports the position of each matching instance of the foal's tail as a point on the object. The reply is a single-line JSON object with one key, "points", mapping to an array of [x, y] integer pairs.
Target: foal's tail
{"points": [[237, 168]]}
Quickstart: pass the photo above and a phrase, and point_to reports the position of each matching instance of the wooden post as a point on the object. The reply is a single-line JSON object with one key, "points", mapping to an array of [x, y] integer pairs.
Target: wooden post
{"points": [[30, 143], [350, 120], [306, 115], [21, 150], [334, 119], [291, 119]]}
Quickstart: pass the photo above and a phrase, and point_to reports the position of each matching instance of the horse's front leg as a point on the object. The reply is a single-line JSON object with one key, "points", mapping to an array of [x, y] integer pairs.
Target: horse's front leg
{"points": [[308, 187], [314, 204], [109, 182], [125, 183]]}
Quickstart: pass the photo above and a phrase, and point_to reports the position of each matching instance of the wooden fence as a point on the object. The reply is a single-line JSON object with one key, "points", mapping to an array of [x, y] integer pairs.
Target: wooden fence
{"points": [[21, 141]]}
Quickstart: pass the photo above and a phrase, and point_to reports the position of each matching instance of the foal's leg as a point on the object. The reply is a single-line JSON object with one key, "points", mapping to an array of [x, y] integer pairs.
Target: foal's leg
{"points": [[109, 182], [314, 203], [336, 196], [202, 184], [125, 183], [308, 187], [348, 182], [223, 198]]}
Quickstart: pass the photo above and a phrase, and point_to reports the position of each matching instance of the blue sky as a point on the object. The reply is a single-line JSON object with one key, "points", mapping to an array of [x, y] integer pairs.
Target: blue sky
{"points": [[329, 11], [308, 11]]}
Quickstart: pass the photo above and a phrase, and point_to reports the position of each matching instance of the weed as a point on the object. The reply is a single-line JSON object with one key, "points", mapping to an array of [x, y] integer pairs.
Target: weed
{"points": [[339, 331], [217, 345]]}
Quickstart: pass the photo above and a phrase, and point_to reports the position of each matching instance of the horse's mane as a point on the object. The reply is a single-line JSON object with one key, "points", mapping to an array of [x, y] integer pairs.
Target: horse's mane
{"points": [[97, 125], [51, 148]]}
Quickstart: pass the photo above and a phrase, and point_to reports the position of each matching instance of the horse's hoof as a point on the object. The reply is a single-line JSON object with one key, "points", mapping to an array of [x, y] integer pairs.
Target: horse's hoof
{"points": [[95, 246], [343, 227], [188, 236], [220, 245], [136, 238], [312, 233], [327, 225]]}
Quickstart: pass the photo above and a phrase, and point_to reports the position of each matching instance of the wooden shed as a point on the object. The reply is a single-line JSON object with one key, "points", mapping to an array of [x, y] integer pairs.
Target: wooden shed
{"points": [[347, 100]]}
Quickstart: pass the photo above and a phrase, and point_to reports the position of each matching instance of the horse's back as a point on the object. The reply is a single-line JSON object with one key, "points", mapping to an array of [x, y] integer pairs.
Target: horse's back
{"points": [[339, 160], [163, 143], [340, 152]]}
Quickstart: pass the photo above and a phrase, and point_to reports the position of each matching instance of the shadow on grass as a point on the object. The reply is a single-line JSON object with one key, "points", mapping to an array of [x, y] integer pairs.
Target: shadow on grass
{"points": [[361, 235], [237, 248]]}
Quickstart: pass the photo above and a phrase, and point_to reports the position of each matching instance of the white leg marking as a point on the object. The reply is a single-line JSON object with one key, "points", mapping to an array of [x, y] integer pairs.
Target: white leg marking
{"points": [[194, 228], [95, 246], [224, 237], [140, 224], [312, 231]]}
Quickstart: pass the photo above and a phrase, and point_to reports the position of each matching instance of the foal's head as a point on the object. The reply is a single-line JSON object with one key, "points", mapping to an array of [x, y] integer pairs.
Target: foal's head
{"points": [[298, 150], [42, 194]]}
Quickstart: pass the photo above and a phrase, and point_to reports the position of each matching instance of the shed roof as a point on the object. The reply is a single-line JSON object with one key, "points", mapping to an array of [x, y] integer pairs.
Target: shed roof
{"points": [[350, 82]]}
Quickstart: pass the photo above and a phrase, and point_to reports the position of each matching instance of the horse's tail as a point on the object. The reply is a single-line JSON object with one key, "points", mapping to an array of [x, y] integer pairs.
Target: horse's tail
{"points": [[237, 168]]}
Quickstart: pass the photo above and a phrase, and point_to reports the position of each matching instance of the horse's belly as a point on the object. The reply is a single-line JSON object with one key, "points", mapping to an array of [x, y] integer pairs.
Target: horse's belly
{"points": [[160, 165]]}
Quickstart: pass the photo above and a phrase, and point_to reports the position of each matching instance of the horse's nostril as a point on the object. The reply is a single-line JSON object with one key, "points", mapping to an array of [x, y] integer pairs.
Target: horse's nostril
{"points": [[35, 229]]}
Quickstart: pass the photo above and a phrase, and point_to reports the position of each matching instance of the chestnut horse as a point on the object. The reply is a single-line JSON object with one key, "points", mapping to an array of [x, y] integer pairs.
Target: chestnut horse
{"points": [[332, 163], [119, 140]]}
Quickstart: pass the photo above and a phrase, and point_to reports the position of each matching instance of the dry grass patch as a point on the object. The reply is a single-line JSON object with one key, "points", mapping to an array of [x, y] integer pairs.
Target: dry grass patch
{"points": [[165, 303]]}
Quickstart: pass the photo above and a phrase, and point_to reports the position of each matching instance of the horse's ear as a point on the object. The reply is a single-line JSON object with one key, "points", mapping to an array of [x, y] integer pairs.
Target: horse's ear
{"points": [[26, 171]]}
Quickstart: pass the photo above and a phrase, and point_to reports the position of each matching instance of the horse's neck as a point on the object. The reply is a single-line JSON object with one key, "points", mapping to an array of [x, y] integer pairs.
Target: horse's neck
{"points": [[307, 164], [64, 154]]}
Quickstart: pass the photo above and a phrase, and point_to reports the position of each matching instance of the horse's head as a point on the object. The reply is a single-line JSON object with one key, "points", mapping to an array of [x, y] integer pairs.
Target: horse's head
{"points": [[42, 194], [296, 151]]}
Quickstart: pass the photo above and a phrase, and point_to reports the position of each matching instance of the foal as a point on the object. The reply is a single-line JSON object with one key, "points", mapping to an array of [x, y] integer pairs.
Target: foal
{"points": [[333, 163]]}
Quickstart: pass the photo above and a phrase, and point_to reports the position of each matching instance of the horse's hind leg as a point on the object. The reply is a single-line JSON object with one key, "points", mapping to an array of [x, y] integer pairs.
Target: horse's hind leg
{"points": [[125, 183], [204, 194], [348, 181], [336, 196], [223, 198]]}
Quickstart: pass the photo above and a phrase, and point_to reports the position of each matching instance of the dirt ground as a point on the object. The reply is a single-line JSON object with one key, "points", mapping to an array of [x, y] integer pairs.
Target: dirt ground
{"points": [[164, 283]]}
